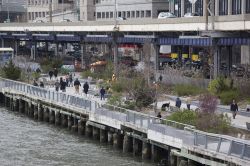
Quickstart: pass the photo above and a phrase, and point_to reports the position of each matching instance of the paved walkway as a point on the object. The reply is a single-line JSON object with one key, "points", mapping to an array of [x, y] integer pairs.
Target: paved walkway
{"points": [[239, 121]]}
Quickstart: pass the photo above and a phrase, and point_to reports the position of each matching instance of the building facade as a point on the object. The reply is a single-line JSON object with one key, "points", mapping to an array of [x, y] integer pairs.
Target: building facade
{"points": [[129, 9], [12, 11], [40, 9]]}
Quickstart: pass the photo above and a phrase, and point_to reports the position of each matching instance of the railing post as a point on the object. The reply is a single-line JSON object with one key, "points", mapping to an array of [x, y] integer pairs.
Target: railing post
{"points": [[141, 121], [243, 151], [219, 144], [205, 141], [230, 148], [195, 138]]}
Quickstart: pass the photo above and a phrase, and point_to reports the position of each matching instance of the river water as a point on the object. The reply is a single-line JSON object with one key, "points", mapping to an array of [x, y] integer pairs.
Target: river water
{"points": [[25, 142]]}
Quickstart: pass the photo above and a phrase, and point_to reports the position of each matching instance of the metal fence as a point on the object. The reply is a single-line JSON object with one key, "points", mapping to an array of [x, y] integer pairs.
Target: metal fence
{"points": [[46, 94], [222, 144]]}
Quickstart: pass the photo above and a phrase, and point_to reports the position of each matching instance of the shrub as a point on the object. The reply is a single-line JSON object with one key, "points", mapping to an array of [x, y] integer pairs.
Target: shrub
{"points": [[186, 117], [129, 105], [185, 90], [226, 97], [11, 71], [208, 103], [218, 85], [115, 99], [36, 75]]}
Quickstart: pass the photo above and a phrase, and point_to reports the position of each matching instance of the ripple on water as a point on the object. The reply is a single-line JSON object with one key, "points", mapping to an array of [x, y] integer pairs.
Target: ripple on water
{"points": [[24, 142]]}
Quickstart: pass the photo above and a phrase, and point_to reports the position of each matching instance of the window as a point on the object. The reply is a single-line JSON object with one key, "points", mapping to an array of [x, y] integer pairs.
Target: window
{"points": [[223, 7], [133, 14], [107, 14], [111, 15], [137, 14], [142, 14], [247, 6], [236, 7], [99, 15], [128, 14], [148, 13], [187, 7]]}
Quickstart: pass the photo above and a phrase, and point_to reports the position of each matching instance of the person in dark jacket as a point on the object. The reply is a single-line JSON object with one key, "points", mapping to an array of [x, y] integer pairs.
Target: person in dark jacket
{"points": [[50, 74], [234, 108], [41, 84], [55, 73], [63, 86], [70, 79], [35, 83], [86, 88], [57, 85], [102, 92], [77, 84], [178, 102]]}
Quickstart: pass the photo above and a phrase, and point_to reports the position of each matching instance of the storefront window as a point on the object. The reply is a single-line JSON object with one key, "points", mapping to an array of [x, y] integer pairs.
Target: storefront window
{"points": [[247, 6], [236, 7], [223, 7], [199, 7]]}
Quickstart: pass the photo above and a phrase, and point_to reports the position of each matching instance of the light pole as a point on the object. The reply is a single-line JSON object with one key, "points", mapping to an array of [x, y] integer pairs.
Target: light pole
{"points": [[115, 36], [8, 12], [63, 8]]}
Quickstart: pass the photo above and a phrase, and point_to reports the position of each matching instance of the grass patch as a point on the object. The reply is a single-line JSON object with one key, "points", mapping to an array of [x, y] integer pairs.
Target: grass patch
{"points": [[186, 90], [186, 117]]}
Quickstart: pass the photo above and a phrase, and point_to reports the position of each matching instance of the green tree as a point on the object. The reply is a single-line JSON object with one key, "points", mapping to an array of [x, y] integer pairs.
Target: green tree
{"points": [[11, 71]]}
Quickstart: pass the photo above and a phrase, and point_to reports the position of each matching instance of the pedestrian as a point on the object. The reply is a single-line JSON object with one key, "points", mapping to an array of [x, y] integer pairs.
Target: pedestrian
{"points": [[102, 92], [35, 83], [70, 79], [50, 74], [67, 80], [234, 108], [86, 88], [188, 103], [63, 86], [55, 72], [160, 78], [57, 85], [77, 84], [41, 84], [178, 102], [159, 115]]}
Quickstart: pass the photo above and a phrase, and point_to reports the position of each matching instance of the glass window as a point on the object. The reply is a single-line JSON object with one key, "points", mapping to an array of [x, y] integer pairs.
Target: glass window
{"points": [[199, 7], [247, 6], [223, 7], [187, 7], [236, 7]]}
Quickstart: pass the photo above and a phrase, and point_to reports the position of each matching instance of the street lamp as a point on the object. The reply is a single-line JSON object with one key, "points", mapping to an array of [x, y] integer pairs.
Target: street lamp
{"points": [[115, 37], [8, 12]]}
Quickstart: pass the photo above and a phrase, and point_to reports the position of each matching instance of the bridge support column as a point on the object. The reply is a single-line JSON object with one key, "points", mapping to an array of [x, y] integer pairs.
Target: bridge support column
{"points": [[146, 151], [64, 120], [11, 103], [2, 42], [96, 133], [173, 159], [103, 136], [21, 108], [81, 127], [31, 110], [6, 101], [15, 105], [52, 116], [35, 112], [88, 131], [57, 118], [117, 141], [217, 62], [110, 137], [26, 111], [181, 161], [40, 112], [191, 163], [70, 122], [155, 153], [46, 114], [137, 147], [75, 125], [127, 144]]}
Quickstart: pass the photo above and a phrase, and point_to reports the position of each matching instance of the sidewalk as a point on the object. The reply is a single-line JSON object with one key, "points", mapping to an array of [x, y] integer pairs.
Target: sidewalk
{"points": [[239, 122]]}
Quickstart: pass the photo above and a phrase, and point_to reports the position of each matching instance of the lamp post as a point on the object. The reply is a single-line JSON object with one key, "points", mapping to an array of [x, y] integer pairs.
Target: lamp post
{"points": [[115, 37], [63, 8], [8, 12]]}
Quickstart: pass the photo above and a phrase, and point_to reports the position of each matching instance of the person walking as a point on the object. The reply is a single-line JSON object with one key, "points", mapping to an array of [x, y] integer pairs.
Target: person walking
{"points": [[55, 72], [35, 83], [57, 85], [41, 84], [77, 84], [50, 74], [70, 79], [86, 88], [234, 108], [63, 86], [178, 102], [102, 92], [188, 103]]}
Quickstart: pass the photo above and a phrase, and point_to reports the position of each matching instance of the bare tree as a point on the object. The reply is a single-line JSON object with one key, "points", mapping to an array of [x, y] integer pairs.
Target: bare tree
{"points": [[148, 70]]}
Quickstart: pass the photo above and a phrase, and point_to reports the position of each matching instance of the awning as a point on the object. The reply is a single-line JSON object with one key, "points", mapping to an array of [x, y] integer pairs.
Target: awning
{"points": [[69, 38], [98, 39], [134, 40], [233, 41], [45, 38], [188, 41]]}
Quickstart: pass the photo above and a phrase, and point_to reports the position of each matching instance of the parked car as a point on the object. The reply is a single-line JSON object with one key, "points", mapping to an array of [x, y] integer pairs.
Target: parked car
{"points": [[66, 20], [38, 21], [163, 15], [120, 18], [191, 15]]}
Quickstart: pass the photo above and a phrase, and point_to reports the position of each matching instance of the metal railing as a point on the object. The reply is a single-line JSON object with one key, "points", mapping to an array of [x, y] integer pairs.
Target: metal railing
{"points": [[49, 95], [222, 144]]}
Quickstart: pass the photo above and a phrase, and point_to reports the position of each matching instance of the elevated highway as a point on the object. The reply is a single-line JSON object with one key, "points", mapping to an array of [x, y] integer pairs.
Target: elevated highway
{"points": [[222, 23]]}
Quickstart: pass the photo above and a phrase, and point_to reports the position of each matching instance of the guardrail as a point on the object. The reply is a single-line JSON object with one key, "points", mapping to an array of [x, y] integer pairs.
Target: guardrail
{"points": [[46, 94], [222, 144]]}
